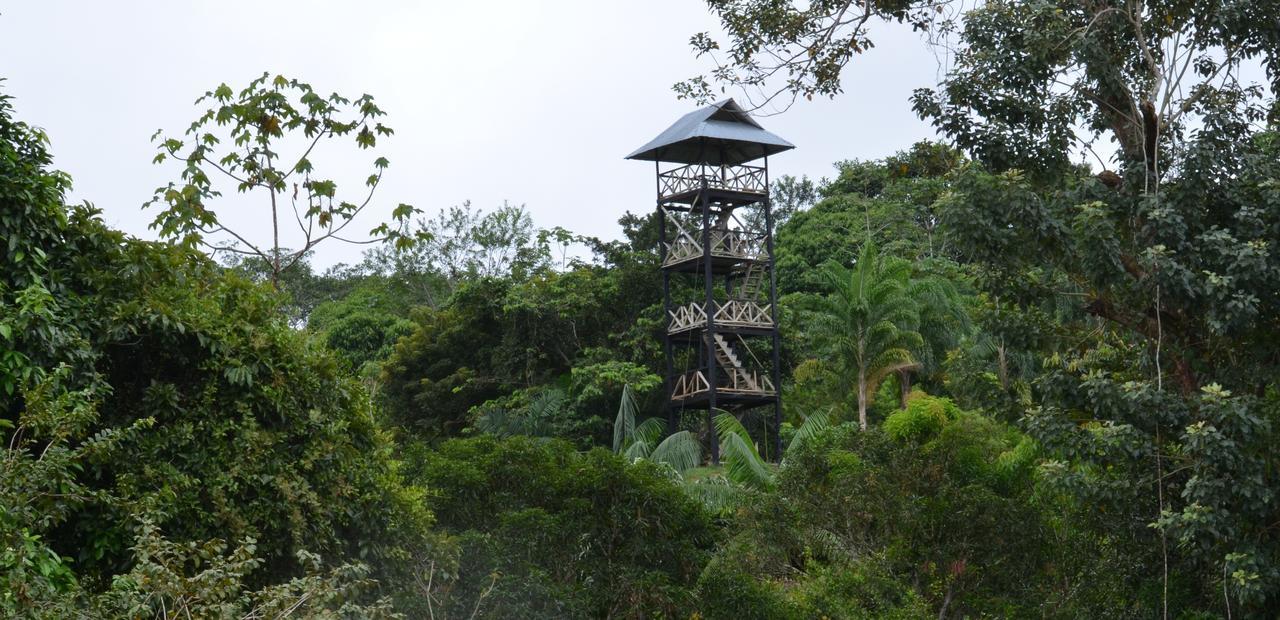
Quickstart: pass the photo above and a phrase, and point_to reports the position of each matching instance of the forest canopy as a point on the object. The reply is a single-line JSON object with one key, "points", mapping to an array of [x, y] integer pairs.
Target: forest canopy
{"points": [[1029, 368]]}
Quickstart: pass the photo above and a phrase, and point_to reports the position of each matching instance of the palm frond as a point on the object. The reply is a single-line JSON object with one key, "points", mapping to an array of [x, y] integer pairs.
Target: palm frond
{"points": [[637, 450], [624, 426], [680, 450], [499, 422], [717, 493], [642, 442], [743, 464], [812, 425], [649, 432]]}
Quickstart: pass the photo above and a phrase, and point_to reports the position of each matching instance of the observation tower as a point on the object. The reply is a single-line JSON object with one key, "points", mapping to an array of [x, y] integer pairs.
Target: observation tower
{"points": [[716, 242]]}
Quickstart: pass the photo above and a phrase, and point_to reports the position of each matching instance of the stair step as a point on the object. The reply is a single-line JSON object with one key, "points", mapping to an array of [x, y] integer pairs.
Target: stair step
{"points": [[752, 281]]}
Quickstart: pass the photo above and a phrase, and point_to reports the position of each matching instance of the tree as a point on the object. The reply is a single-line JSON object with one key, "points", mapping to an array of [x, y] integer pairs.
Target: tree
{"points": [[787, 197], [550, 532], [240, 139], [868, 325], [893, 201], [778, 52], [1167, 296], [142, 385], [679, 450], [462, 243], [1157, 269]]}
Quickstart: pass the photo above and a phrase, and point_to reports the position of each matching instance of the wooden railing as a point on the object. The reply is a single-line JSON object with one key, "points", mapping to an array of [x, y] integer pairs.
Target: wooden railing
{"points": [[744, 313], [728, 381], [745, 179], [733, 313], [686, 318], [689, 384], [736, 244]]}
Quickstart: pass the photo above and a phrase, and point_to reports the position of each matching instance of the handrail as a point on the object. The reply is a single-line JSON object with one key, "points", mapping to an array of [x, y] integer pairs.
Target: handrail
{"points": [[729, 380], [732, 313], [740, 178], [736, 244]]}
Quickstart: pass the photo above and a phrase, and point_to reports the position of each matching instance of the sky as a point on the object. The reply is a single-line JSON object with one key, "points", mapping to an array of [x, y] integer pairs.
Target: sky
{"points": [[534, 103]]}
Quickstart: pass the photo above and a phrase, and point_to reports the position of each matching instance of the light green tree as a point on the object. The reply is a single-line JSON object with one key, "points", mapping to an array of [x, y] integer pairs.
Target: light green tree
{"points": [[868, 327], [263, 141]]}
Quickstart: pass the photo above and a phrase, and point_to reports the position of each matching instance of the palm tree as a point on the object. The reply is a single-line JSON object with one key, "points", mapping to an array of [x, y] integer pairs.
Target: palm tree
{"points": [[871, 320], [742, 462], [744, 468], [679, 450]]}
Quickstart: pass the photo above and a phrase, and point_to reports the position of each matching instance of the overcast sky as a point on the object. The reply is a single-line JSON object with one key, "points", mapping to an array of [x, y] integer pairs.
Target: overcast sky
{"points": [[531, 102]]}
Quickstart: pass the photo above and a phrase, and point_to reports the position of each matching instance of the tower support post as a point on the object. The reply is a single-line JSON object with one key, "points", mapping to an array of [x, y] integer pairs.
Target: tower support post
{"points": [[775, 371], [661, 216], [709, 336]]}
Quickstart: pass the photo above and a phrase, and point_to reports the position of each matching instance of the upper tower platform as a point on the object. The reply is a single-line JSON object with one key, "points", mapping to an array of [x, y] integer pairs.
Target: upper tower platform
{"points": [[715, 143]]}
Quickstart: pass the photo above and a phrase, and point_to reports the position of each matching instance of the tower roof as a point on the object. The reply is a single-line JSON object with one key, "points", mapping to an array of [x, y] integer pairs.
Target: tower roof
{"points": [[719, 134]]}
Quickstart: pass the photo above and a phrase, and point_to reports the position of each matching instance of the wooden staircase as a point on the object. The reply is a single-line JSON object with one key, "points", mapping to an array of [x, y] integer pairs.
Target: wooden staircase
{"points": [[752, 282], [727, 359]]}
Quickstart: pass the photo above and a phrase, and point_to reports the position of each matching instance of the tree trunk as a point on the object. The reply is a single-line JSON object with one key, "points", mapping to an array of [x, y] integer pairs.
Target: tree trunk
{"points": [[904, 382], [946, 601], [862, 399]]}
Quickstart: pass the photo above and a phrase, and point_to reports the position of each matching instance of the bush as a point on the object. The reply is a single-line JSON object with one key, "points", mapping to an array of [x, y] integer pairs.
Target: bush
{"points": [[923, 418], [546, 531]]}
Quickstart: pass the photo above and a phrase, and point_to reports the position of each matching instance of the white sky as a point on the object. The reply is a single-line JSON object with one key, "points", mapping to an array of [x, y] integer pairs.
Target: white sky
{"points": [[531, 102]]}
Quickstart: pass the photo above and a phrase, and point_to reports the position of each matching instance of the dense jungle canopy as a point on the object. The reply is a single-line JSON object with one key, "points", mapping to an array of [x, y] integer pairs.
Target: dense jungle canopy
{"points": [[1029, 369]]}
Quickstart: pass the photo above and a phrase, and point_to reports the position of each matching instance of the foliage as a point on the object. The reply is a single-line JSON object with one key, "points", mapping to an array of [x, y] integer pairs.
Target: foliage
{"points": [[459, 244], [141, 380], [869, 324], [1128, 311], [1157, 277], [778, 51], [936, 511], [1125, 320], [923, 417], [270, 115], [680, 450], [547, 531], [204, 580], [303, 290], [892, 202], [587, 330]]}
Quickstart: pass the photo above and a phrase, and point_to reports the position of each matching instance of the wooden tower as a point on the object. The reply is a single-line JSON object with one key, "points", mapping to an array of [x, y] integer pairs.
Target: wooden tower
{"points": [[716, 247]]}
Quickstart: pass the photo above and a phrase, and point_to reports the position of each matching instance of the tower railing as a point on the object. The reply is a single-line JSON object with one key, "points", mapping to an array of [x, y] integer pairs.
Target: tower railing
{"points": [[729, 380], [741, 178], [733, 313], [733, 244]]}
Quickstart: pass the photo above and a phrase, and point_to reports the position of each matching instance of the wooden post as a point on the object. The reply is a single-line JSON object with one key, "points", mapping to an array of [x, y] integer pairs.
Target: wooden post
{"points": [[773, 310], [710, 334], [666, 300]]}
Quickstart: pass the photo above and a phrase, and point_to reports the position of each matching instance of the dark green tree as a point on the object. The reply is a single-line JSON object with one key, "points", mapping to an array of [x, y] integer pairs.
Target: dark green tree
{"points": [[142, 390], [1157, 396]]}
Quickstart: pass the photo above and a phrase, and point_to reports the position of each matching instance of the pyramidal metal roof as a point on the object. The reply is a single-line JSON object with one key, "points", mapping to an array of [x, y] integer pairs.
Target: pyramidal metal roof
{"points": [[719, 134]]}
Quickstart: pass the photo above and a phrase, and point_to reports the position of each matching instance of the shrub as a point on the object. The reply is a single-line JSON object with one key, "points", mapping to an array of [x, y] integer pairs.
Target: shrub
{"points": [[923, 418], [546, 531]]}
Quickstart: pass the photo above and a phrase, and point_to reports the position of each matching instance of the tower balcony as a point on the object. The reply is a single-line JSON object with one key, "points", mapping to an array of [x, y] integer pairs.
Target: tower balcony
{"points": [[682, 184], [728, 249], [736, 315]]}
